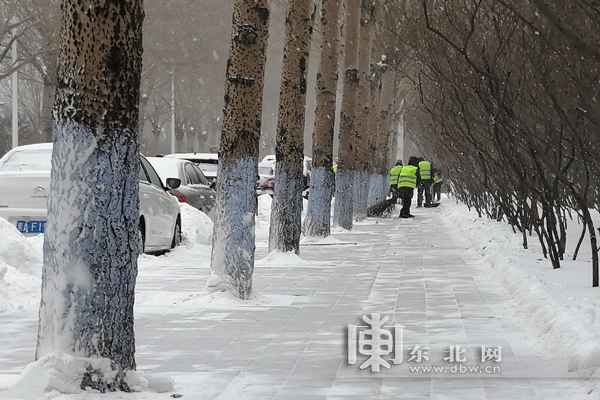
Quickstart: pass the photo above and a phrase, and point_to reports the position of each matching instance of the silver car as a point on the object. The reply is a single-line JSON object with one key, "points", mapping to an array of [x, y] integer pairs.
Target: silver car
{"points": [[208, 163], [195, 188], [25, 185]]}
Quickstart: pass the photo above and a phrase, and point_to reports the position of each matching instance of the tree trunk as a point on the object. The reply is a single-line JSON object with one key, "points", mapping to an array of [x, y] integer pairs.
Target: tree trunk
{"points": [[587, 220], [49, 92], [49, 89], [91, 244], [286, 212], [322, 178], [232, 259], [364, 110], [347, 156], [581, 237], [382, 92]]}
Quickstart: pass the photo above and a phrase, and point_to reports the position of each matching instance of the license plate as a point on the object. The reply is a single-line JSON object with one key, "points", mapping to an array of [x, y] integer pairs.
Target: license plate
{"points": [[31, 226]]}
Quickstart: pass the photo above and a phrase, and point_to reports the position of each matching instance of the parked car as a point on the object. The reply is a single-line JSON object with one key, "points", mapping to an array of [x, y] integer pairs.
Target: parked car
{"points": [[25, 185], [306, 168], [195, 188], [266, 178], [268, 158], [208, 163]]}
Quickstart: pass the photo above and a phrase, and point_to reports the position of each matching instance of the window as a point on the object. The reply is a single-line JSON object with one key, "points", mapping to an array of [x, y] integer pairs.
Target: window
{"points": [[203, 179], [142, 175], [151, 173], [191, 172], [29, 160]]}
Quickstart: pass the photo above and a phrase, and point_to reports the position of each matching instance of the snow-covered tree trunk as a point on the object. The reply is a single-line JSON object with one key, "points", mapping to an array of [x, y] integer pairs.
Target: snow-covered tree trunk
{"points": [[91, 244], [384, 47], [286, 212], [322, 178], [232, 259], [379, 186], [380, 141], [365, 107], [347, 157]]}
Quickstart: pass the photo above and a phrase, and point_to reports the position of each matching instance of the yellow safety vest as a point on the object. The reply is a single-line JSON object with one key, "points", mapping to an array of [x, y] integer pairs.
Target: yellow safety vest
{"points": [[425, 170], [408, 177], [395, 174]]}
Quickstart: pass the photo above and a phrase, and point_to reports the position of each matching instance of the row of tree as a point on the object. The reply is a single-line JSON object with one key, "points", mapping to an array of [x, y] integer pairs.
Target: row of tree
{"points": [[503, 92], [505, 95], [92, 240], [365, 128]]}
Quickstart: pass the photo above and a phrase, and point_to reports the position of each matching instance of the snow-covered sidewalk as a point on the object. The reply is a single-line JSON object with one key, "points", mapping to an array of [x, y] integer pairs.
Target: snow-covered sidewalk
{"points": [[460, 286]]}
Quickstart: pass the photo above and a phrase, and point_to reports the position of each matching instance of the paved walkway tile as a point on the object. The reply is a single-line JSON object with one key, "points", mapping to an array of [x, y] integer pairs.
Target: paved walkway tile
{"points": [[296, 346], [291, 341]]}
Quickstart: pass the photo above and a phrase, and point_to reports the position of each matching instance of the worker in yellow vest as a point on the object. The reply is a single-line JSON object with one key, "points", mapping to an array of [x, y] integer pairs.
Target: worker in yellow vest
{"points": [[437, 186], [407, 182], [394, 175], [426, 183]]}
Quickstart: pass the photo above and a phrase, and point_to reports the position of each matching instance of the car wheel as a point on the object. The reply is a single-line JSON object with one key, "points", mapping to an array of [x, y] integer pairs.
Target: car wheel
{"points": [[142, 236], [177, 234]]}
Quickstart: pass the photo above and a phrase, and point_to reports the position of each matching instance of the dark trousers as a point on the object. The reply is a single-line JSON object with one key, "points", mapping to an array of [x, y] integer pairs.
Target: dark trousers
{"points": [[437, 191], [424, 188], [394, 191], [406, 194]]}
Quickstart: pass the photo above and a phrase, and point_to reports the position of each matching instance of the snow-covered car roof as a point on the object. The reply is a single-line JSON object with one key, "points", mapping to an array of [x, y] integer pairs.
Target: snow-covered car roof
{"points": [[31, 157], [208, 162], [167, 167], [195, 156]]}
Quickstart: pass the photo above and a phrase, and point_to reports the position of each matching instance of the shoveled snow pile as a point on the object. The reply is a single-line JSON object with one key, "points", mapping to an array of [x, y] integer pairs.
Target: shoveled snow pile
{"points": [[20, 268], [16, 250], [196, 227]]}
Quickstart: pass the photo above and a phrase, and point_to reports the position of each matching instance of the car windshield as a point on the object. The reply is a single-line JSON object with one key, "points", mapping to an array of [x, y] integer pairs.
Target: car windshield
{"points": [[30, 160], [206, 166], [165, 168]]}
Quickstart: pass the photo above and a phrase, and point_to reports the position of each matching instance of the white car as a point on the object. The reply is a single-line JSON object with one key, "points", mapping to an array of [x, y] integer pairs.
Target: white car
{"points": [[266, 178], [306, 168], [25, 185]]}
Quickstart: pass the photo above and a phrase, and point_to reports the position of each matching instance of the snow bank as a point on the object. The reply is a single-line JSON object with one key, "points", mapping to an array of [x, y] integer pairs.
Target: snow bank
{"points": [[17, 289], [54, 374], [16, 250], [20, 268], [196, 227], [3, 288], [566, 324], [263, 218]]}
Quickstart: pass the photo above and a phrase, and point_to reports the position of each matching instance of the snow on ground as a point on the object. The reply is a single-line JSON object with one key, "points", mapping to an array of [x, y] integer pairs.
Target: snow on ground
{"points": [[196, 226], [560, 306], [20, 268]]}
